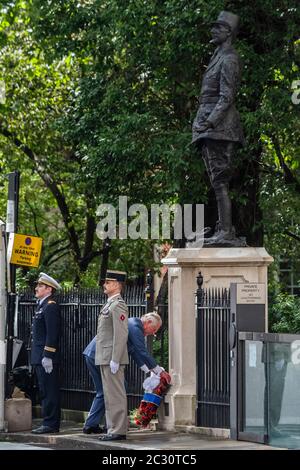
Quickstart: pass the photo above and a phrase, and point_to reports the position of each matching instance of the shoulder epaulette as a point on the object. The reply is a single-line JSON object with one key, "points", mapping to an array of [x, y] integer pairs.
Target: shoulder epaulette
{"points": [[51, 302], [118, 299]]}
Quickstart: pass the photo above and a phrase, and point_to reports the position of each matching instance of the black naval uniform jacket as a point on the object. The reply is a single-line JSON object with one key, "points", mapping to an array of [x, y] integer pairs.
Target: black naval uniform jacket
{"points": [[219, 87], [45, 332]]}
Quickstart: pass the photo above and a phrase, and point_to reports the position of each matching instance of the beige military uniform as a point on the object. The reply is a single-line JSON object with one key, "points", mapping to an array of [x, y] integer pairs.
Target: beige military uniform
{"points": [[111, 345]]}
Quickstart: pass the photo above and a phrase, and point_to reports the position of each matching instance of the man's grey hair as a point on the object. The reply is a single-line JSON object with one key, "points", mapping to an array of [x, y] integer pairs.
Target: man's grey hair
{"points": [[154, 317]]}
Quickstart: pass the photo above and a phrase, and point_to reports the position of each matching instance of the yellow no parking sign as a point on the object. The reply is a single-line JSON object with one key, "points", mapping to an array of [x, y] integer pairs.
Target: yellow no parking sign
{"points": [[24, 250]]}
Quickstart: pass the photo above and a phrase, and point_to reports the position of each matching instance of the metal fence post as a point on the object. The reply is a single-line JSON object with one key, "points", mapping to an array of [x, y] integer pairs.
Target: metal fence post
{"points": [[2, 322], [212, 346], [149, 297], [11, 227], [199, 343], [149, 292], [200, 291]]}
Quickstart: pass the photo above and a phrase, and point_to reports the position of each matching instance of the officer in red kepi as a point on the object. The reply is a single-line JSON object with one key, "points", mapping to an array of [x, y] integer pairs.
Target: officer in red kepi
{"points": [[112, 355], [44, 352]]}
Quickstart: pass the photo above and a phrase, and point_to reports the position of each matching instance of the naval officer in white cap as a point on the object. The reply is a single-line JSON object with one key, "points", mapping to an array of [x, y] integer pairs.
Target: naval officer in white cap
{"points": [[44, 352]]}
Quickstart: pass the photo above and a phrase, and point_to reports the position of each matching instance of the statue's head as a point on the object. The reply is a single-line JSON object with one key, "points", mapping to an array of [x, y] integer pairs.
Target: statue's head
{"points": [[224, 27]]}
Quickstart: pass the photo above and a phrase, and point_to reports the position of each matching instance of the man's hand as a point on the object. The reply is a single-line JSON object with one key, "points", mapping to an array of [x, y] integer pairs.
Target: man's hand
{"points": [[151, 383], [202, 127], [47, 364], [114, 367], [158, 370]]}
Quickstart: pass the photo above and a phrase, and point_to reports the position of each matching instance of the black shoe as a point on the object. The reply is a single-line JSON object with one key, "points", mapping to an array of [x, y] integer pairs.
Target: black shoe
{"points": [[44, 430], [94, 430], [113, 437]]}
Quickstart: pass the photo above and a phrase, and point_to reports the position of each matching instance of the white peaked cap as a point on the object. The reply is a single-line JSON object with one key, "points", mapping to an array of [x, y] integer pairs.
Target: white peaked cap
{"points": [[49, 281]]}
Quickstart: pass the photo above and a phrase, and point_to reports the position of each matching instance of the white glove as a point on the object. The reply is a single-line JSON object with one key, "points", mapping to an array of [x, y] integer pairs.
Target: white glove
{"points": [[158, 370], [114, 367], [151, 383], [144, 368], [47, 364]]}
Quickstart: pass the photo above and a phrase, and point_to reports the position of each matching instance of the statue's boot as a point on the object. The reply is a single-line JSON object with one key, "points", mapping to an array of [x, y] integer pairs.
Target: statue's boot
{"points": [[198, 238], [225, 229], [221, 236]]}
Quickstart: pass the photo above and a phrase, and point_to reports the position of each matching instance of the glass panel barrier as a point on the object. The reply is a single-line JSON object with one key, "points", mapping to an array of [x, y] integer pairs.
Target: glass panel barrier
{"points": [[270, 410], [283, 388], [254, 389]]}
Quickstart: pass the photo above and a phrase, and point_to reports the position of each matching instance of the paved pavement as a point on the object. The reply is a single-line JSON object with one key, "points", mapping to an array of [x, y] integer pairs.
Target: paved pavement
{"points": [[71, 437], [16, 446]]}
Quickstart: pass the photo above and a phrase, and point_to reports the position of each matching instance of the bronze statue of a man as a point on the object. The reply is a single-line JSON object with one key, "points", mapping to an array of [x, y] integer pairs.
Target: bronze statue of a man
{"points": [[216, 128]]}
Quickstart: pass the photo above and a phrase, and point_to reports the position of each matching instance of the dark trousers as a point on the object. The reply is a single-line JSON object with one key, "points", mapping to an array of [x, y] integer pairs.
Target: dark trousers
{"points": [[217, 156], [97, 410], [49, 391]]}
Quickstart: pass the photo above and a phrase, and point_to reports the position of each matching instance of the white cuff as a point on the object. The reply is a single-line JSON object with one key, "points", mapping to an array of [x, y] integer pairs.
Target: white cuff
{"points": [[145, 369], [157, 370]]}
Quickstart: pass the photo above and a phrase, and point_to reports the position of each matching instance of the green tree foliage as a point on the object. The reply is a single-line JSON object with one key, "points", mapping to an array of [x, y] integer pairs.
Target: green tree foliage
{"points": [[138, 96], [284, 314], [129, 77], [38, 95], [42, 127], [134, 97]]}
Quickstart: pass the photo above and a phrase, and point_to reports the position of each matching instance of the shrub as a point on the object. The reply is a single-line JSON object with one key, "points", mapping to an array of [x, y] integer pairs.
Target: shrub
{"points": [[284, 314]]}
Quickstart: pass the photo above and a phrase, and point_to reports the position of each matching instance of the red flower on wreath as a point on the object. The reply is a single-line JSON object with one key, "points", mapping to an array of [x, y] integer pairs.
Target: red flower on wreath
{"points": [[151, 401]]}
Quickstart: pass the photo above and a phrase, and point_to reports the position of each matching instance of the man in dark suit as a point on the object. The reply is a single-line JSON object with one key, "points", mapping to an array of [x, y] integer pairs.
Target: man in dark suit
{"points": [[138, 329], [216, 128], [44, 352]]}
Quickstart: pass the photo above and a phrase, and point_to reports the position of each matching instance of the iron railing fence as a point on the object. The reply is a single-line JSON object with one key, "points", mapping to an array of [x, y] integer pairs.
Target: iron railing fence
{"points": [[79, 310], [213, 356], [162, 337]]}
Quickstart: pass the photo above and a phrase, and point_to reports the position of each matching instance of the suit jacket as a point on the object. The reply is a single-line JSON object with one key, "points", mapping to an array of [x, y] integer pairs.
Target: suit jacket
{"points": [[219, 87], [90, 350], [136, 345], [45, 332], [112, 333]]}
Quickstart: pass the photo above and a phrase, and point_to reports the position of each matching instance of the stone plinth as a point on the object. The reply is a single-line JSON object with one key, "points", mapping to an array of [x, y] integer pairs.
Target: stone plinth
{"points": [[219, 267], [18, 414]]}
